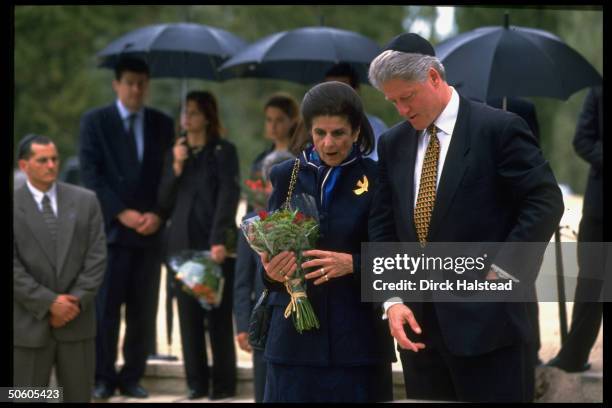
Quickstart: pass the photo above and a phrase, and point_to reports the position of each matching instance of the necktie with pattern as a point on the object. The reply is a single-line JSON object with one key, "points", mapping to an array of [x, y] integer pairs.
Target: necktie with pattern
{"points": [[49, 217], [427, 186]]}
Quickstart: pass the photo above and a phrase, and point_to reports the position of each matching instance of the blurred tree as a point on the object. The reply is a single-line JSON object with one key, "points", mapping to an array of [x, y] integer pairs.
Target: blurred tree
{"points": [[56, 78]]}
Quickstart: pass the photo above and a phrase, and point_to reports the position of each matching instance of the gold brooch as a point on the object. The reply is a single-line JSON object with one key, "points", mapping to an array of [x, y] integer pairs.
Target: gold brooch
{"points": [[362, 186]]}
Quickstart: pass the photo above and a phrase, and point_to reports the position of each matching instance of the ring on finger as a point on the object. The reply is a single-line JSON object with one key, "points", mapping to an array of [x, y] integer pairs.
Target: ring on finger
{"points": [[322, 271], [326, 278]]}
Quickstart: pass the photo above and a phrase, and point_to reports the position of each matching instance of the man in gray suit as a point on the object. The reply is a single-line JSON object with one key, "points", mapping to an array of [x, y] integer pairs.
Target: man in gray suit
{"points": [[59, 257]]}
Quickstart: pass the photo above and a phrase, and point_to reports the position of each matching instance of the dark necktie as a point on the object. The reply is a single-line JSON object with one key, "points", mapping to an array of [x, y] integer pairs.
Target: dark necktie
{"points": [[427, 187], [49, 217], [132, 135]]}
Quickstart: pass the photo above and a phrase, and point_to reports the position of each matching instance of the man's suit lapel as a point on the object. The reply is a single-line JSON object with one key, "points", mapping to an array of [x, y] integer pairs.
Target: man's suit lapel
{"points": [[406, 154], [35, 221], [65, 223], [454, 168], [148, 135]]}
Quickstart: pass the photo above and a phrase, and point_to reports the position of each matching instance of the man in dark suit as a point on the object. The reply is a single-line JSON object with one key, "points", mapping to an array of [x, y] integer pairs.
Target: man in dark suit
{"points": [[59, 255], [487, 182], [121, 155], [588, 312]]}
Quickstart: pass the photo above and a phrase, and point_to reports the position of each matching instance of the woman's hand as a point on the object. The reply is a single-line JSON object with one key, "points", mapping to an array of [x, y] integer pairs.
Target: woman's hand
{"points": [[243, 341], [180, 153], [330, 265], [281, 267]]}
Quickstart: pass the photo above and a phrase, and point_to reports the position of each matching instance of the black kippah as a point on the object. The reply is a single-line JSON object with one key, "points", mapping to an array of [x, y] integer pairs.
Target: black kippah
{"points": [[411, 43]]}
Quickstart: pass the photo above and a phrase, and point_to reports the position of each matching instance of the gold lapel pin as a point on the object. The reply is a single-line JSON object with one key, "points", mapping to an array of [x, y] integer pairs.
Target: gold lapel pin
{"points": [[362, 186]]}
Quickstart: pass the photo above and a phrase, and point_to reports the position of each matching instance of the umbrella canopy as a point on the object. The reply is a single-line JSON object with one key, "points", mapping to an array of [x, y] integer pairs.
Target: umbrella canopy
{"points": [[303, 55], [181, 50], [514, 61]]}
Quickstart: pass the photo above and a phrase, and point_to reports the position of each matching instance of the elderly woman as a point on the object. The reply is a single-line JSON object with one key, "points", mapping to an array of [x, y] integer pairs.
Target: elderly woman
{"points": [[348, 359]]}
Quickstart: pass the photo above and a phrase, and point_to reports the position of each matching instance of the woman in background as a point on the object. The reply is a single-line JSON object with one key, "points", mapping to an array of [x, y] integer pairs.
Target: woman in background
{"points": [[200, 192], [281, 117]]}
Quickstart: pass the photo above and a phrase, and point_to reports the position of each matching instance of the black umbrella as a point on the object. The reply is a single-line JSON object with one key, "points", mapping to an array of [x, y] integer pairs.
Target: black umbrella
{"points": [[514, 61], [303, 55], [517, 61], [181, 50]]}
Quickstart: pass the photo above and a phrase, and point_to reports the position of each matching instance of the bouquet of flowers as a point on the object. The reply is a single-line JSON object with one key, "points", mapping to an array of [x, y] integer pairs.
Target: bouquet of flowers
{"points": [[289, 229], [200, 276], [257, 192]]}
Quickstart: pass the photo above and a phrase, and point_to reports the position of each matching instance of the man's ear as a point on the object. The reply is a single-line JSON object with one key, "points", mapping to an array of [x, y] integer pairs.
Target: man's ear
{"points": [[23, 164], [434, 76]]}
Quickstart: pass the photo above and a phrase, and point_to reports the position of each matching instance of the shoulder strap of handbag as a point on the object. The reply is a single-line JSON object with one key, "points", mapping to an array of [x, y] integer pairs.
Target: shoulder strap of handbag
{"points": [[294, 173]]}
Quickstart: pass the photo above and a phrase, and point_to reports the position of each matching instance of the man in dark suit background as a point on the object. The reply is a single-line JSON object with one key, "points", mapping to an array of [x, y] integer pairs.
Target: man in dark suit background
{"points": [[488, 183], [121, 155], [59, 255], [588, 312]]}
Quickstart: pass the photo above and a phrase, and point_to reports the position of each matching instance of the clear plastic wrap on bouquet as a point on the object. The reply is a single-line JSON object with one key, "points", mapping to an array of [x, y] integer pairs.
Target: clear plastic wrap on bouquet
{"points": [[294, 229], [199, 275]]}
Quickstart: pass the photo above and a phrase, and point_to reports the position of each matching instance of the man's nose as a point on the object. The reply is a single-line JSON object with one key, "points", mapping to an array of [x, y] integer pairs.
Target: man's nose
{"points": [[403, 110]]}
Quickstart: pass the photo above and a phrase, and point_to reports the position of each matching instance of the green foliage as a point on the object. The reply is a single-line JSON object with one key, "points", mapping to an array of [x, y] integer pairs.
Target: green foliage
{"points": [[56, 78]]}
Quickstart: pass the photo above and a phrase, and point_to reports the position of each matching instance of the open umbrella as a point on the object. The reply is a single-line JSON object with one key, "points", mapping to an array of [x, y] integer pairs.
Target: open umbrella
{"points": [[303, 55], [180, 50], [514, 61], [517, 61]]}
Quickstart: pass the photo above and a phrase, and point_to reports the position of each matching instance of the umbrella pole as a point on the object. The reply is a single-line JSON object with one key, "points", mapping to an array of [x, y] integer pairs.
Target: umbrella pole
{"points": [[560, 286]]}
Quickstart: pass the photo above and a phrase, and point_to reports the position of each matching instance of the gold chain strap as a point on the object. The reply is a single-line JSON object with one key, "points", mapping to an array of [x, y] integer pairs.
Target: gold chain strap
{"points": [[294, 173]]}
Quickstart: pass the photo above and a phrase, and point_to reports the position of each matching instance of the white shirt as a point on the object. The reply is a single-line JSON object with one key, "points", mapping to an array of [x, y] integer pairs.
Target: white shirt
{"points": [[445, 123], [38, 196], [138, 126]]}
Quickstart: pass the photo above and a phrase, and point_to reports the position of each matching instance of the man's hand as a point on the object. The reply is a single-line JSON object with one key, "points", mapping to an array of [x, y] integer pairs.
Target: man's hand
{"points": [[131, 218], [491, 275], [243, 341], [64, 309], [398, 315], [218, 253], [56, 322], [150, 225]]}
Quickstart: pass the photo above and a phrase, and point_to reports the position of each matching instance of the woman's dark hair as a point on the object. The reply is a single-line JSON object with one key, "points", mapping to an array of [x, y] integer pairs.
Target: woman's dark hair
{"points": [[207, 104], [288, 105], [338, 99]]}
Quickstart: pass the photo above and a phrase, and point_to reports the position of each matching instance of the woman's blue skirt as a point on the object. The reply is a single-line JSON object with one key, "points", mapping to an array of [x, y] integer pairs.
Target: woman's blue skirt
{"points": [[294, 383]]}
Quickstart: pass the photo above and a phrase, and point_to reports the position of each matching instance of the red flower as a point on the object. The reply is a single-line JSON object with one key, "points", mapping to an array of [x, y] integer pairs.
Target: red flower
{"points": [[299, 217], [262, 215]]}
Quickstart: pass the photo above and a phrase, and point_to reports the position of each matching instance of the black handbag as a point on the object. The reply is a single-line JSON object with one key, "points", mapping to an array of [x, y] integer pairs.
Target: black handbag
{"points": [[259, 322]]}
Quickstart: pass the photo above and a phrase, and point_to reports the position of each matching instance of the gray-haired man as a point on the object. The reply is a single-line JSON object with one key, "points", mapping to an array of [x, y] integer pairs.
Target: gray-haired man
{"points": [[491, 184]]}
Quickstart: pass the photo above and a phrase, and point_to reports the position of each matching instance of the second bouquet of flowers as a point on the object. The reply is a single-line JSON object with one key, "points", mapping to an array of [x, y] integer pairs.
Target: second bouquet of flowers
{"points": [[199, 275], [293, 228]]}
